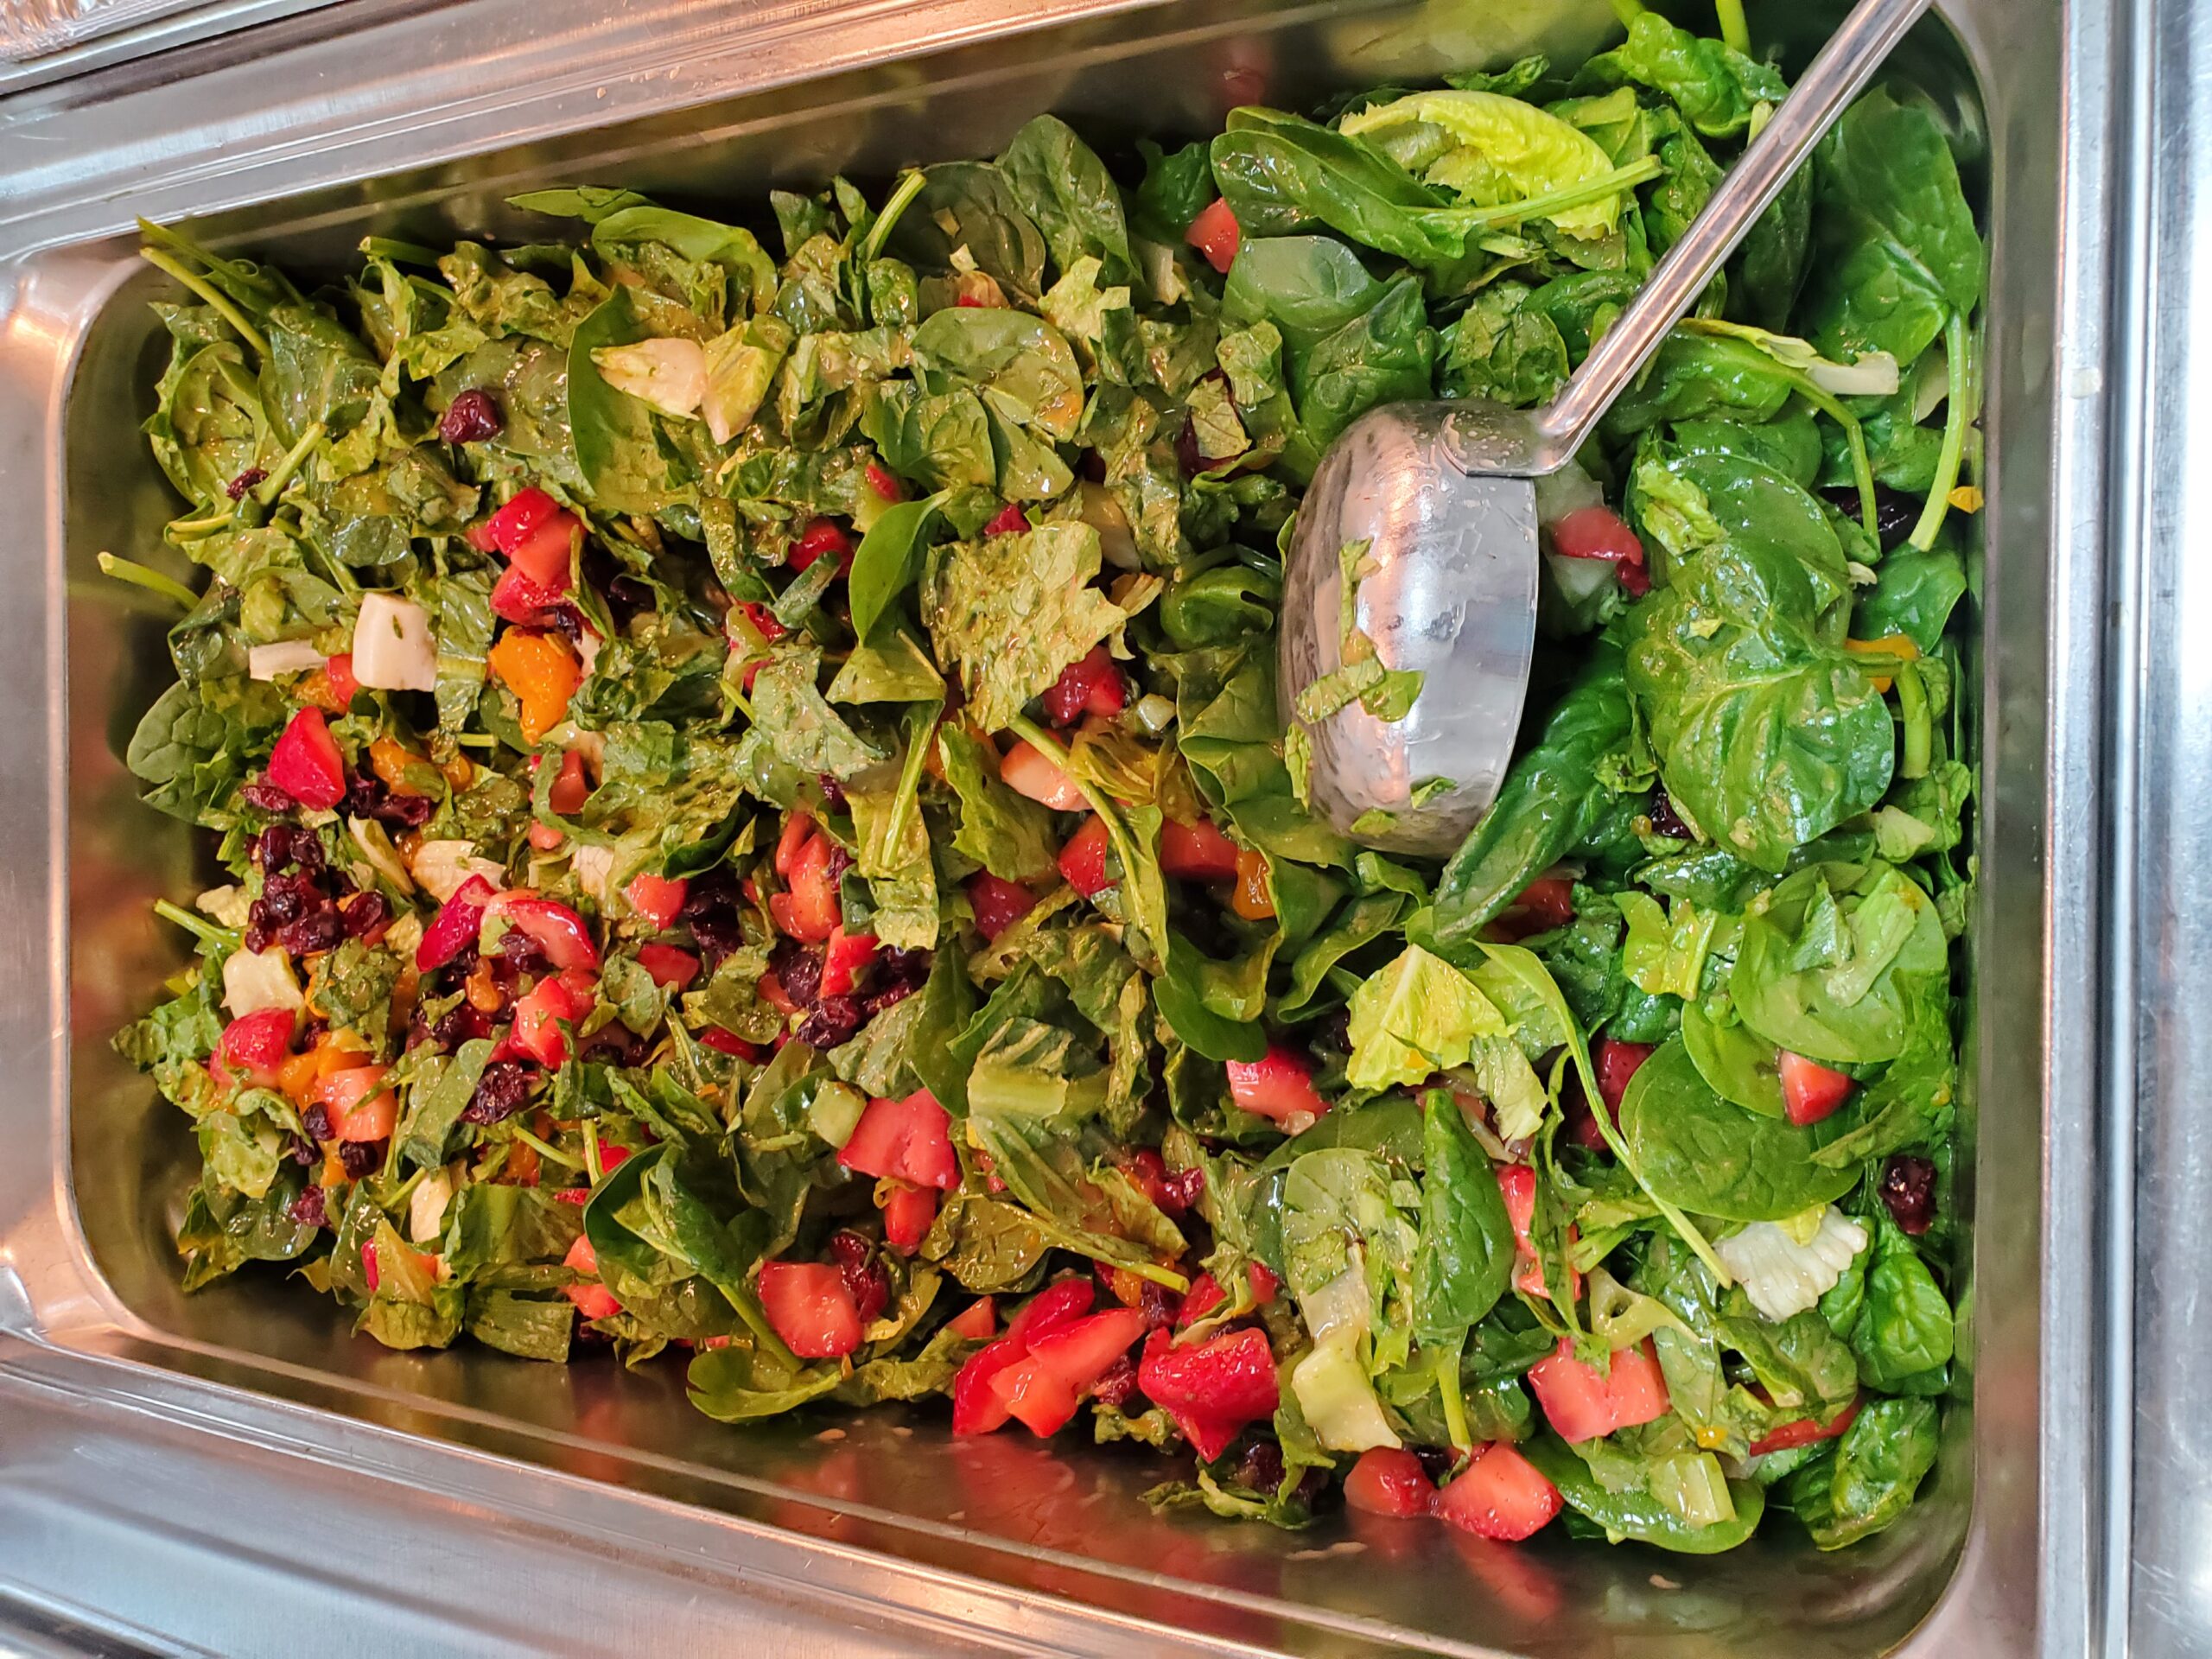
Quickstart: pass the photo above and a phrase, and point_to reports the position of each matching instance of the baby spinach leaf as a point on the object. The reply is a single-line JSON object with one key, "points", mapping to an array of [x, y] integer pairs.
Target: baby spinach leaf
{"points": [[1465, 1257], [1878, 1464], [970, 205], [1176, 186], [615, 447], [1839, 975], [1695, 1150], [1626, 1499], [1282, 174], [1714, 86], [1011, 611], [1906, 1327], [1071, 196], [1025, 361]]}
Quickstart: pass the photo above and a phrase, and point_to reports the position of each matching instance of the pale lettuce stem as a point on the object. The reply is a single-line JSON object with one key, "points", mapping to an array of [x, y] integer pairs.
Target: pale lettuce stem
{"points": [[1958, 346], [153, 581]]}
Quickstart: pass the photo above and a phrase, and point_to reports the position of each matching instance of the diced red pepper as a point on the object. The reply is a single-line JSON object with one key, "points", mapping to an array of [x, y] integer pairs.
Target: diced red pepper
{"points": [[659, 900], [1011, 521], [822, 537], [1216, 233], [1806, 1432], [571, 789], [1090, 684], [1580, 1404], [1026, 770], [1810, 1091], [1212, 1389], [1278, 1086], [305, 764], [1598, 532], [810, 910], [257, 1044], [1197, 851], [669, 967], [594, 1301], [1083, 861], [552, 925], [1387, 1480], [844, 959], [998, 905], [338, 672], [1500, 1495], [910, 1140], [456, 926], [809, 1306]]}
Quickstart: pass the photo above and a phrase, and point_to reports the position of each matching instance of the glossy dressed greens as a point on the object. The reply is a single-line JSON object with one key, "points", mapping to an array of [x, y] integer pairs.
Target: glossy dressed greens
{"points": [[895, 741]]}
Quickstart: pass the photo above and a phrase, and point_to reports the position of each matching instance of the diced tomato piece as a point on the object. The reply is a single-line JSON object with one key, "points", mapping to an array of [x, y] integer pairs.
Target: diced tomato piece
{"points": [[998, 905], [515, 523], [455, 927], [1050, 1308], [571, 789], [1810, 1091], [339, 672], [1083, 861], [1011, 521], [1205, 1295], [659, 900], [257, 1044], [305, 764], [358, 1106], [822, 537], [908, 1209], [1598, 532], [1580, 1404], [593, 1301], [552, 925], [1035, 1396], [1618, 1062], [1806, 1432], [516, 598], [728, 1042], [1213, 1388], [976, 1321], [910, 1140], [1083, 682], [810, 1307], [809, 913], [1197, 851], [844, 960], [1500, 1495], [880, 480], [546, 555], [1278, 1086], [1216, 233], [669, 967], [538, 1015], [1026, 770], [1079, 1351], [1387, 1480]]}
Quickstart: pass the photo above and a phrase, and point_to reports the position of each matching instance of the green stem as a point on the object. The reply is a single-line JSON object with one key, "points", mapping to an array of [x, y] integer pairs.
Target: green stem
{"points": [[547, 1151], [1735, 33], [591, 1165], [1854, 438], [1628, 12], [153, 581], [271, 487], [1919, 725], [199, 926], [1455, 1406], [224, 309], [1554, 201], [201, 526], [1958, 346], [909, 187]]}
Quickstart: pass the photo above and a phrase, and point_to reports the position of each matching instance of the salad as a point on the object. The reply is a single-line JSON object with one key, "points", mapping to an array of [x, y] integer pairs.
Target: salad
{"points": [[757, 820]]}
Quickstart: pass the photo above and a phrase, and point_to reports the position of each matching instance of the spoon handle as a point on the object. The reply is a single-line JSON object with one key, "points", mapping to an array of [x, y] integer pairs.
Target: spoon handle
{"points": [[1844, 66]]}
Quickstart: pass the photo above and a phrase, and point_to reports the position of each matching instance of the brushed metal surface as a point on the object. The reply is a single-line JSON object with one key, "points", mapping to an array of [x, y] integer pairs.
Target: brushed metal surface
{"points": [[417, 120]]}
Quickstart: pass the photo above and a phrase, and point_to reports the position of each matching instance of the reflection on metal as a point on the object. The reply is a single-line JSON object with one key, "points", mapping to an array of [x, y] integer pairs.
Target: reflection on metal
{"points": [[252, 1391]]}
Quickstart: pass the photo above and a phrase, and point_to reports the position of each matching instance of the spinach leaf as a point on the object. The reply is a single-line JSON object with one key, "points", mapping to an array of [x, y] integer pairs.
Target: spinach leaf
{"points": [[1071, 196], [1914, 594], [616, 449], [1840, 975], [1175, 189], [970, 205], [1625, 1499], [1282, 174], [1465, 1257], [1878, 1464], [1695, 1150], [1714, 86], [1905, 1330]]}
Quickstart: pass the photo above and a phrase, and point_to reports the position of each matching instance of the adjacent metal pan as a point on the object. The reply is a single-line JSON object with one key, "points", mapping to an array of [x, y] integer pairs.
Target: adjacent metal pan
{"points": [[418, 120]]}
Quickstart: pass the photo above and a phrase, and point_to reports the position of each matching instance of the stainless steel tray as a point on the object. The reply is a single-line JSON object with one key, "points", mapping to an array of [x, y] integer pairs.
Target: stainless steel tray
{"points": [[418, 121]]}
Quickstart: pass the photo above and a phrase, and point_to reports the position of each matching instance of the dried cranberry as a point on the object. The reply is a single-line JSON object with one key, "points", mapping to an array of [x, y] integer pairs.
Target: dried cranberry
{"points": [[1116, 1384], [272, 848], [1182, 1189], [833, 1021], [462, 1023], [833, 793], [1909, 1188], [316, 1122], [798, 970], [284, 899], [523, 953], [1158, 1305], [305, 1152], [265, 796], [880, 997], [307, 851], [1317, 1491], [714, 909], [567, 621], [311, 934], [1665, 821], [615, 1044], [500, 1092], [236, 487], [626, 597], [1261, 1469], [1894, 513], [865, 1279], [357, 1158], [367, 798], [363, 914], [308, 1209], [838, 862], [1436, 1461], [472, 417]]}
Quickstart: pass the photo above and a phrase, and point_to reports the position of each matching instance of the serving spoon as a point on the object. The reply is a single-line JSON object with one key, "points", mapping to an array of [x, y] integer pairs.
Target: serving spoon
{"points": [[1444, 497]]}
